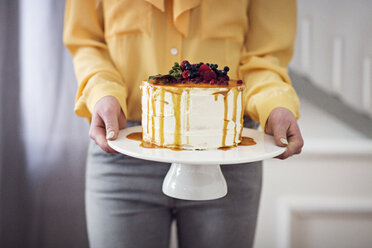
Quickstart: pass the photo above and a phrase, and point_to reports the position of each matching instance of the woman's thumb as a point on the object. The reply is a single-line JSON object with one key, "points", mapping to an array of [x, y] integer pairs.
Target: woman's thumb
{"points": [[112, 126], [280, 135]]}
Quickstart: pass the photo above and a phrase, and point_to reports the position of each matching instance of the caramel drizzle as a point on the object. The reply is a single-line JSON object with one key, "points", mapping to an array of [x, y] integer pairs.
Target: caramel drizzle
{"points": [[172, 92], [247, 141], [188, 115], [241, 114], [148, 109], [234, 112], [159, 100], [137, 136], [224, 93], [225, 121], [161, 119], [153, 115], [232, 84], [176, 98]]}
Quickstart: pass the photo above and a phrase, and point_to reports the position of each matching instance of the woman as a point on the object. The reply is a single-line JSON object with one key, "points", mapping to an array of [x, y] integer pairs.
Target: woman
{"points": [[116, 44]]}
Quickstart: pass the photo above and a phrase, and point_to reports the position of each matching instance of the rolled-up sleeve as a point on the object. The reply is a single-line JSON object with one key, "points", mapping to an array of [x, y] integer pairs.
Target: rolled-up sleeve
{"points": [[96, 74], [267, 51]]}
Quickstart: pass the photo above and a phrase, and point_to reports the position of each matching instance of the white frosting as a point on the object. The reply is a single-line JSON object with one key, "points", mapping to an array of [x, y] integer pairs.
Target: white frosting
{"points": [[198, 117]]}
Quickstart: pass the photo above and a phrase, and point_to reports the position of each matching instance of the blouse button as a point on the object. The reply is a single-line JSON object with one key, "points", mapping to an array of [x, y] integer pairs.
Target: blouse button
{"points": [[174, 51]]}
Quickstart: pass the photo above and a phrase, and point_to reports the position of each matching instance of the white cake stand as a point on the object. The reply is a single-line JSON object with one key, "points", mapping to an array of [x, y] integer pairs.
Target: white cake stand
{"points": [[196, 175]]}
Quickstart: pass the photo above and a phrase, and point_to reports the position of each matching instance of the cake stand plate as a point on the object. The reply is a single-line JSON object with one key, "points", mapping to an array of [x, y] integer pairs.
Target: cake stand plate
{"points": [[196, 175]]}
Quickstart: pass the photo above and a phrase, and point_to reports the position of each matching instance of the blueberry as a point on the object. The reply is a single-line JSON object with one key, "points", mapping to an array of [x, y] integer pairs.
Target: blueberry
{"points": [[226, 68]]}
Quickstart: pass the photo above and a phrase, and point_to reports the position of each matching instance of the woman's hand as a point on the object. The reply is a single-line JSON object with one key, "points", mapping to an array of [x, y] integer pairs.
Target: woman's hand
{"points": [[107, 120], [283, 125]]}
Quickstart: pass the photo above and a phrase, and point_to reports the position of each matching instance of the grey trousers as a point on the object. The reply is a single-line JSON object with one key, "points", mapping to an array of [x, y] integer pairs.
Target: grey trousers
{"points": [[125, 206]]}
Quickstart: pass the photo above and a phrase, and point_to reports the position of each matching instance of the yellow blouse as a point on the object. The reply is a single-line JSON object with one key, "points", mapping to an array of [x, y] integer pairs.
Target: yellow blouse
{"points": [[116, 44]]}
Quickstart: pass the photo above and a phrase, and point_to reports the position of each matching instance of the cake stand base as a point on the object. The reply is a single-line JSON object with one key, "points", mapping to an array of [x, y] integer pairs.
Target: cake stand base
{"points": [[195, 182]]}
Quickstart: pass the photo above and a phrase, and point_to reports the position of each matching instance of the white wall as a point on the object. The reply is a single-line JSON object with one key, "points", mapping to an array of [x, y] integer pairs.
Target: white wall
{"points": [[323, 197], [334, 48]]}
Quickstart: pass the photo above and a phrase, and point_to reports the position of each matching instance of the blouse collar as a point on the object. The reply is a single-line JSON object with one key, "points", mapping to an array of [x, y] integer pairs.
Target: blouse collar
{"points": [[181, 12]]}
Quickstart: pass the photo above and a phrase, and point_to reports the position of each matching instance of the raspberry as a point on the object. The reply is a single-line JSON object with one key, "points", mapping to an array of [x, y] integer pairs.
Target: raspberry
{"points": [[204, 67], [183, 64], [209, 75], [185, 74]]}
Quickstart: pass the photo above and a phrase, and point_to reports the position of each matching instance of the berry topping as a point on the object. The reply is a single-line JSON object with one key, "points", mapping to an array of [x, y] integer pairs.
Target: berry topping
{"points": [[185, 74], [183, 64], [204, 67], [209, 75], [239, 82], [196, 73]]}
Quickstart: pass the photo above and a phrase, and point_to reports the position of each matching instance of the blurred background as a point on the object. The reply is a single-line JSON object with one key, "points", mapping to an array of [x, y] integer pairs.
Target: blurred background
{"points": [[322, 198]]}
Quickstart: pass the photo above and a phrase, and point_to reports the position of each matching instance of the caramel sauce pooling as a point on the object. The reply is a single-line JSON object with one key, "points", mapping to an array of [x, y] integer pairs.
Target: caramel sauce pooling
{"points": [[246, 141]]}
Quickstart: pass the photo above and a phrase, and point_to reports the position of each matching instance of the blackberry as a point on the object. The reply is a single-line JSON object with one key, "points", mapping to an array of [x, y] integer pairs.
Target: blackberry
{"points": [[191, 75], [183, 63]]}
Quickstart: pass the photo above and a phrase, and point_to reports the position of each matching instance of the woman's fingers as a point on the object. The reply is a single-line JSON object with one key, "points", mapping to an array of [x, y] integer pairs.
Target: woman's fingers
{"points": [[280, 133], [107, 119], [97, 132], [283, 126], [111, 120], [295, 141]]}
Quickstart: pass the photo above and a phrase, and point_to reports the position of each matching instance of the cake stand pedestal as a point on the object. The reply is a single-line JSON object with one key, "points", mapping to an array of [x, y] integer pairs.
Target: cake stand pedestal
{"points": [[196, 175]]}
